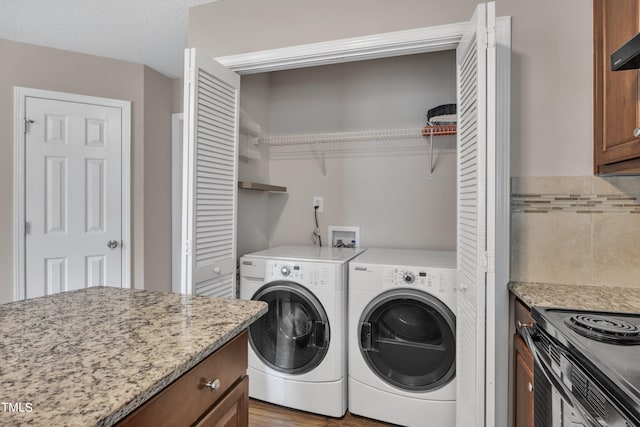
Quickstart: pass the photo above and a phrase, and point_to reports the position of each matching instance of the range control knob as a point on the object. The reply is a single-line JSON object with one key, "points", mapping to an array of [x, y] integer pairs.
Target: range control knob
{"points": [[408, 277], [285, 271]]}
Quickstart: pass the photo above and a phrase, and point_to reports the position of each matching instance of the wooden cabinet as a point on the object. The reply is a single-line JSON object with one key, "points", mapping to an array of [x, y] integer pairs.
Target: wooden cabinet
{"points": [[232, 411], [523, 381], [616, 93], [189, 401]]}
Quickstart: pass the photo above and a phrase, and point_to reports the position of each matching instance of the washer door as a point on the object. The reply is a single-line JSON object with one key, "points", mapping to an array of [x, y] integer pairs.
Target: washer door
{"points": [[293, 337], [407, 337]]}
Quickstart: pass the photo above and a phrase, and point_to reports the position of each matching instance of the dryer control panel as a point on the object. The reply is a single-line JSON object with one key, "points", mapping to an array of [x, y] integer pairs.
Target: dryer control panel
{"points": [[428, 279]]}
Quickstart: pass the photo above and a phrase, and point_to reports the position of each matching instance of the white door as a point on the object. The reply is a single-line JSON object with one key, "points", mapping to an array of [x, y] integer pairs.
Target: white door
{"points": [[211, 110], [73, 211], [476, 75]]}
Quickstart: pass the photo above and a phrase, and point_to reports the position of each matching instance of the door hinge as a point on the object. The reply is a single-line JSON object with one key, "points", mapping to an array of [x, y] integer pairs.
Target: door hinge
{"points": [[27, 125], [490, 37], [27, 228], [190, 77], [487, 263], [187, 247]]}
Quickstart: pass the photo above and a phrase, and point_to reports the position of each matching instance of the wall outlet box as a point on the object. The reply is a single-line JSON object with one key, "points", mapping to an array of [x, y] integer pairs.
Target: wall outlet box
{"points": [[317, 201], [344, 236]]}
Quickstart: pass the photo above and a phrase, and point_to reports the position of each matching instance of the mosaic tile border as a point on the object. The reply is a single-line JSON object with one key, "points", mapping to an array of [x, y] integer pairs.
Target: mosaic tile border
{"points": [[575, 203]]}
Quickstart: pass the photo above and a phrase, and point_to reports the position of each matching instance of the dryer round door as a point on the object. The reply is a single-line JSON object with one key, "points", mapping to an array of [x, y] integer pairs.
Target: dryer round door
{"points": [[293, 337], [407, 337]]}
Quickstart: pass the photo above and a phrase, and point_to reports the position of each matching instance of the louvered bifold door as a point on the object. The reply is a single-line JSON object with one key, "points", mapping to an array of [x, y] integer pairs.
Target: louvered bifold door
{"points": [[210, 176], [471, 58]]}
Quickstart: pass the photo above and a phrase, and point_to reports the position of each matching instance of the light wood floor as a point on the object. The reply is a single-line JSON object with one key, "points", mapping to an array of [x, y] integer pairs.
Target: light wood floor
{"points": [[263, 414]]}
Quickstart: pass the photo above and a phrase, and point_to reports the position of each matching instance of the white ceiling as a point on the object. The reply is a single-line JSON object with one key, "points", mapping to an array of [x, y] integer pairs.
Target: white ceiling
{"points": [[150, 32]]}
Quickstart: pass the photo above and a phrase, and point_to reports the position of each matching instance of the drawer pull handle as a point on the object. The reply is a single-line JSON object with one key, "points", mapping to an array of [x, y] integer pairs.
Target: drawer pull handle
{"points": [[521, 325], [213, 385]]}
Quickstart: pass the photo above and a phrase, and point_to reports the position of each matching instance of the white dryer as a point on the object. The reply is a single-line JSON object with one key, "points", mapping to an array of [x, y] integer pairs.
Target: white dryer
{"points": [[402, 344], [298, 350]]}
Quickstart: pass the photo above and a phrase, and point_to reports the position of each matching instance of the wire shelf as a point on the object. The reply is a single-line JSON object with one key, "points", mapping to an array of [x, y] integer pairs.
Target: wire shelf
{"points": [[414, 140], [372, 135]]}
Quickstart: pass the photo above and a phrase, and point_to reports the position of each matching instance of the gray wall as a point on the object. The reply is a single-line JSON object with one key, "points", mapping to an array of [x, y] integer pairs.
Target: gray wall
{"points": [[551, 63], [253, 206], [158, 97], [52, 69], [389, 196]]}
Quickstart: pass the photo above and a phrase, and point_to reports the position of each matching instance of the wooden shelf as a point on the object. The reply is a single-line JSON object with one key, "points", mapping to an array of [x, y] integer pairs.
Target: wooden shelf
{"points": [[248, 185]]}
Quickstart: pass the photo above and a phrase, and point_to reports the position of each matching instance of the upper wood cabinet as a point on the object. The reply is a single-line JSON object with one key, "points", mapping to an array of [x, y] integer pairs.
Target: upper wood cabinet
{"points": [[616, 93]]}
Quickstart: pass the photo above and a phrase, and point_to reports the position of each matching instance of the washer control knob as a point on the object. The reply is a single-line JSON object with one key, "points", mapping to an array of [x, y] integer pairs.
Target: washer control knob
{"points": [[285, 271], [408, 277]]}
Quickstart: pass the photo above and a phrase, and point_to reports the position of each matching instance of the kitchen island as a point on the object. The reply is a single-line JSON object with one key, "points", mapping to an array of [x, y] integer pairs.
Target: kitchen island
{"points": [[93, 356]]}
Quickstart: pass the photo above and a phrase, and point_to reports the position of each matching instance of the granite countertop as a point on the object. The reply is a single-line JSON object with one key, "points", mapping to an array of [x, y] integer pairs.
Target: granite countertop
{"points": [[90, 357], [584, 297]]}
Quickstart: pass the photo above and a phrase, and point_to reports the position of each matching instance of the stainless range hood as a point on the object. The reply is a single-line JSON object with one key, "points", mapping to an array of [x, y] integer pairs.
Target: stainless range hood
{"points": [[627, 57]]}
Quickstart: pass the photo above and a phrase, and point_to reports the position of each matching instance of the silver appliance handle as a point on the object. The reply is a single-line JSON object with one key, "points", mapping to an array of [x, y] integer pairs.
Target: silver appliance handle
{"points": [[564, 392]]}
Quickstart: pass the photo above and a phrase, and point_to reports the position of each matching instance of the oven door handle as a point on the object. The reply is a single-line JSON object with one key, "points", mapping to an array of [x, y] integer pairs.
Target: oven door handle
{"points": [[565, 393]]}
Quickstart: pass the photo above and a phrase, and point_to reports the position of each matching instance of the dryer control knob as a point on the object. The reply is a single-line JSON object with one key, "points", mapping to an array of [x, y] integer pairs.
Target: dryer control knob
{"points": [[285, 271], [408, 277]]}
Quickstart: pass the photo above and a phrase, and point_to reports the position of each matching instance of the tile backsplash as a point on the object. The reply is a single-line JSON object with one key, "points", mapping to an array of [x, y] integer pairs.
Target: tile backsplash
{"points": [[574, 203], [576, 230]]}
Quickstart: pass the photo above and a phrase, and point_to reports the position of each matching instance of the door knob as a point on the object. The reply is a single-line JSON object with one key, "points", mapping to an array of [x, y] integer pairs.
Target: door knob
{"points": [[217, 270], [636, 132], [112, 244]]}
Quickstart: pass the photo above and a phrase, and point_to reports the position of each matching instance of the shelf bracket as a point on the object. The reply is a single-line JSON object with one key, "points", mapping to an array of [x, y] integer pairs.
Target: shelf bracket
{"points": [[431, 164], [320, 159]]}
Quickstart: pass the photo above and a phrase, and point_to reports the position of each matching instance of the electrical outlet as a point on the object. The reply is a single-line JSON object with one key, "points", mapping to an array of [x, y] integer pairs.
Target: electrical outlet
{"points": [[317, 201]]}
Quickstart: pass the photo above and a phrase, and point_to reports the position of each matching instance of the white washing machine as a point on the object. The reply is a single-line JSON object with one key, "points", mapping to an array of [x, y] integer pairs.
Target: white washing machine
{"points": [[298, 350], [402, 343]]}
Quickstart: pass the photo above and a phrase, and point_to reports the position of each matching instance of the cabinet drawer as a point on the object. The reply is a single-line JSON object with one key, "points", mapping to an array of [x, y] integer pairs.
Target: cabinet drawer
{"points": [[521, 315], [232, 411], [184, 401]]}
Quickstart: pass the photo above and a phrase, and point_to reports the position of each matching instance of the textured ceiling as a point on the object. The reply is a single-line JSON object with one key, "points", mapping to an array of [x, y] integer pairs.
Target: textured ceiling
{"points": [[150, 32]]}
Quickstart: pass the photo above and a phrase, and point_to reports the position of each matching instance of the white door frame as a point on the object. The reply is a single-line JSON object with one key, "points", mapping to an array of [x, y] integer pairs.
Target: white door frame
{"points": [[177, 119], [420, 40], [19, 179], [397, 43]]}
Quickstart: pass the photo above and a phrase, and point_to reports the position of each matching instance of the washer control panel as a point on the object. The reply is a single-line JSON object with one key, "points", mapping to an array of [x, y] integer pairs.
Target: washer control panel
{"points": [[435, 279], [285, 270], [306, 274], [408, 277]]}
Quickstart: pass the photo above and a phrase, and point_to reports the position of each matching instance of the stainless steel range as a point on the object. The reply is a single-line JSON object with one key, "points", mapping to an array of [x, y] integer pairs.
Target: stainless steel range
{"points": [[587, 368]]}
